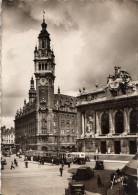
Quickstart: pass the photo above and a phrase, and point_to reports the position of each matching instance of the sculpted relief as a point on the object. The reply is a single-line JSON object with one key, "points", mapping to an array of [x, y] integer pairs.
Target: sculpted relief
{"points": [[90, 124], [119, 82]]}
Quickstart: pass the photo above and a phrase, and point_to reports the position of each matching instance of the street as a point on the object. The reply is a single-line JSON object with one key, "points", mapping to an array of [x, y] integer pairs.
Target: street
{"points": [[45, 179]]}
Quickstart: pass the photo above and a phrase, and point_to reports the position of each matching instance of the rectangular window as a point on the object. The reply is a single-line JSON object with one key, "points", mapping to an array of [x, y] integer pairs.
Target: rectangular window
{"points": [[62, 131], [54, 130], [67, 138]]}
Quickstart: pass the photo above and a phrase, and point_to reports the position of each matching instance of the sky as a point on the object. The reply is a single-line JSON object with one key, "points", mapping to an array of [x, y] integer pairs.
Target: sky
{"points": [[89, 38]]}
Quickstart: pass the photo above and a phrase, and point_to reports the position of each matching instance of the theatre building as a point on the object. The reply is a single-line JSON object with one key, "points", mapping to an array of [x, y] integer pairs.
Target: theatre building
{"points": [[47, 121], [108, 116]]}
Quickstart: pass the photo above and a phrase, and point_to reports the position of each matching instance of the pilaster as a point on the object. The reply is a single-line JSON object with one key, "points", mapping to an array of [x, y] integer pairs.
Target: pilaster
{"points": [[111, 126], [97, 124]]}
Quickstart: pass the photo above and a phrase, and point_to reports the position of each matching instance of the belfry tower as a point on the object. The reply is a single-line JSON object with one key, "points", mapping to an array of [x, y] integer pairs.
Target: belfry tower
{"points": [[44, 62]]}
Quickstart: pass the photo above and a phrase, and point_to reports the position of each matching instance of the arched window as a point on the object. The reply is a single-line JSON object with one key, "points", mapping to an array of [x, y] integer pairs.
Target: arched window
{"points": [[134, 121], [105, 123], [44, 148], [43, 44], [119, 122]]}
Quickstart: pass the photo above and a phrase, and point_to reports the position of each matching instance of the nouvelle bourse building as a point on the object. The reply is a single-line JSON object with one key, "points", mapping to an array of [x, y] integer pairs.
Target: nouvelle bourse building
{"points": [[48, 121], [108, 116]]}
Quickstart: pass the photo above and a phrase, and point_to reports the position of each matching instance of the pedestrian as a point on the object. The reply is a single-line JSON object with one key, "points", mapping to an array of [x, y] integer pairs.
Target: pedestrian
{"points": [[61, 171], [52, 161], [99, 183], [15, 162], [26, 164], [68, 164], [42, 161], [12, 165], [62, 164], [94, 157]]}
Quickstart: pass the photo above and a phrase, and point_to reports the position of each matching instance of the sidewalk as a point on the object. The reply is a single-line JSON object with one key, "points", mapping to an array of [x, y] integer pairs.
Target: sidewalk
{"points": [[112, 161]]}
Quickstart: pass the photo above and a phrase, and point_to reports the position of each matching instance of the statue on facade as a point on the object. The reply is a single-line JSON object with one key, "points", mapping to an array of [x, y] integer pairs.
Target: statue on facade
{"points": [[120, 81], [90, 122]]}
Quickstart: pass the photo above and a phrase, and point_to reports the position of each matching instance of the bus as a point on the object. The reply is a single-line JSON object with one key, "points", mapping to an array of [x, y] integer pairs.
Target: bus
{"points": [[65, 157]]}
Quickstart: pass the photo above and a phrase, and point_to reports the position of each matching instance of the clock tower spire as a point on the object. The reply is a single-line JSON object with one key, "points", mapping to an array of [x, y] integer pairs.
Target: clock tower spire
{"points": [[44, 63]]}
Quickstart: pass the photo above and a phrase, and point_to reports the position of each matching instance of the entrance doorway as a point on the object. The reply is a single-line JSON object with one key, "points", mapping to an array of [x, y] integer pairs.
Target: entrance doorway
{"points": [[117, 147], [103, 147], [132, 147]]}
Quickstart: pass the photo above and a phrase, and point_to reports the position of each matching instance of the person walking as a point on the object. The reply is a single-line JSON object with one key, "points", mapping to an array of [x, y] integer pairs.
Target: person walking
{"points": [[12, 165], [99, 182], [68, 164], [52, 161], [26, 164], [61, 171], [15, 162]]}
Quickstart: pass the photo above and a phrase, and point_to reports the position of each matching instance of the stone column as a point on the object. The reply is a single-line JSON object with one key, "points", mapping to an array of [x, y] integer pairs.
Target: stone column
{"points": [[128, 114], [113, 120], [97, 124], [83, 123], [111, 126], [126, 124]]}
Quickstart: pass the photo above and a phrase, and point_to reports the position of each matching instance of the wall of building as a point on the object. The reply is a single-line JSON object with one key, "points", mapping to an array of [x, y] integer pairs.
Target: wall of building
{"points": [[114, 134]]}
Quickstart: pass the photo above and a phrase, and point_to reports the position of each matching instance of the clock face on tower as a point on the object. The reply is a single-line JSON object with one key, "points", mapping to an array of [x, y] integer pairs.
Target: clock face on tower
{"points": [[42, 81]]}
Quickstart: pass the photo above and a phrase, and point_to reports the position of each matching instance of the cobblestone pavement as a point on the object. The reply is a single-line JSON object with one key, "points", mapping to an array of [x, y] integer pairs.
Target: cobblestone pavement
{"points": [[46, 180]]}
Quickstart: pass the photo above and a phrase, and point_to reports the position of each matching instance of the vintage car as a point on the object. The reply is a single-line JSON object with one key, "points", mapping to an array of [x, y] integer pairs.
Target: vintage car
{"points": [[83, 173], [6, 153], [3, 162], [75, 189], [99, 165], [80, 161]]}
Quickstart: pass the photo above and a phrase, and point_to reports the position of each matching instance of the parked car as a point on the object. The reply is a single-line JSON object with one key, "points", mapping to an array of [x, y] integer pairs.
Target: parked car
{"points": [[99, 165], [75, 189], [80, 161], [83, 173], [3, 162], [6, 153]]}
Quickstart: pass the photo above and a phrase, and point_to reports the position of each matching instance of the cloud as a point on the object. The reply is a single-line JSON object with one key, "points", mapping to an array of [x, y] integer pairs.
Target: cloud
{"points": [[89, 38]]}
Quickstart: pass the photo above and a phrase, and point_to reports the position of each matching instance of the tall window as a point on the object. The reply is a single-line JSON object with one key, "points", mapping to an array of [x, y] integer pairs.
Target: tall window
{"points": [[42, 66], [39, 66], [119, 122], [134, 121], [105, 123], [43, 44]]}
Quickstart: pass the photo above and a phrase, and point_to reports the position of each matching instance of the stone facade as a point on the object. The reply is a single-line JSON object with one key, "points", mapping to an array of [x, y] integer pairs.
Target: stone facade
{"points": [[48, 121], [108, 117], [7, 137]]}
